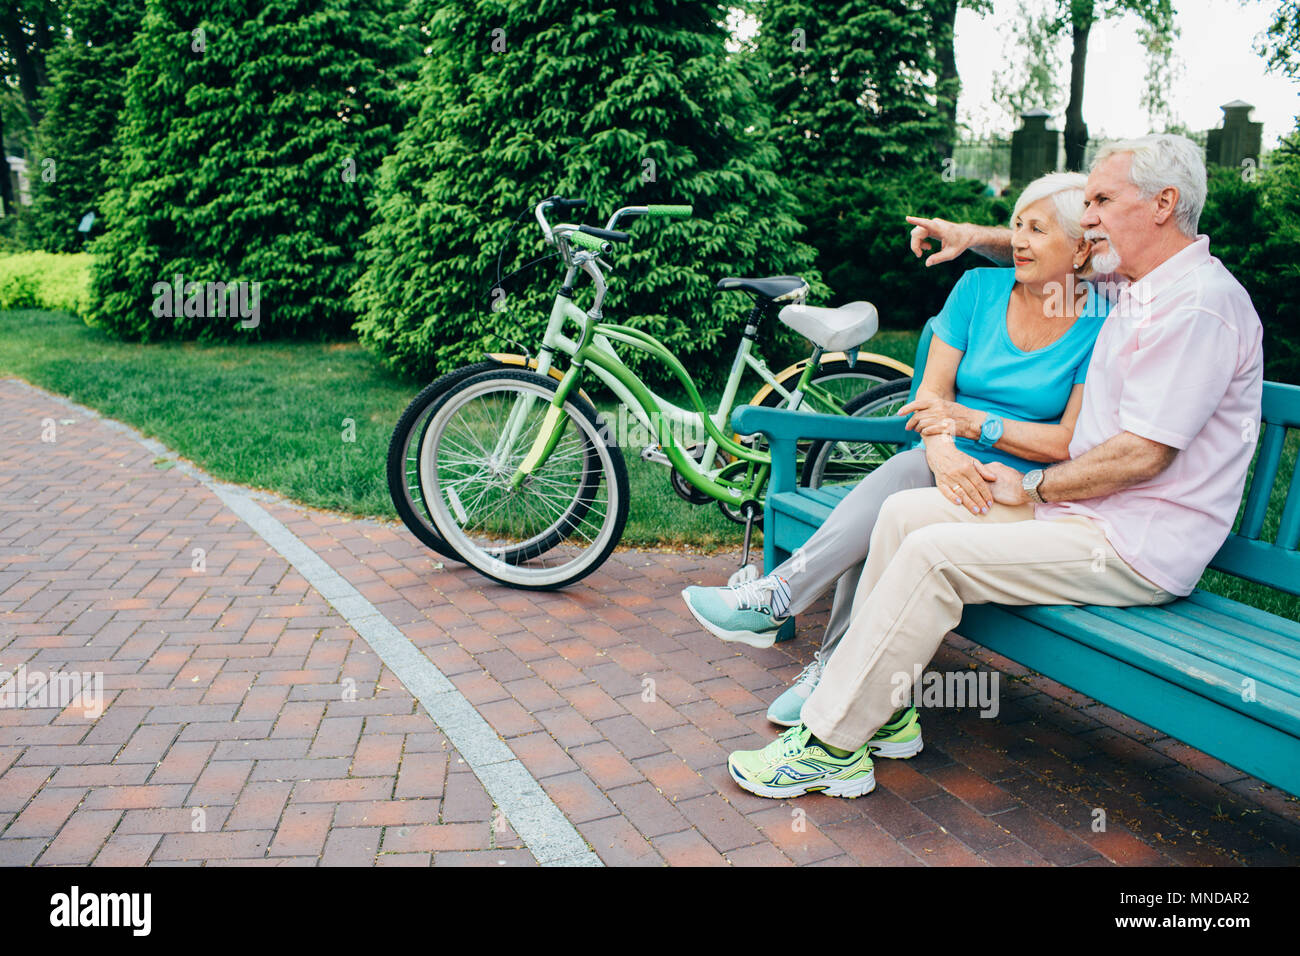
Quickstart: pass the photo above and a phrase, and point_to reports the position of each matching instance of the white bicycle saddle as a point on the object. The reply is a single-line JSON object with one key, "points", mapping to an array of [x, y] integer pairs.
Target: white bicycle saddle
{"points": [[834, 330]]}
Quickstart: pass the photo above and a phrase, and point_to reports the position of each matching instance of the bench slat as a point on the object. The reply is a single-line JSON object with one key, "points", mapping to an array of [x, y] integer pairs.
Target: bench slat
{"points": [[1261, 619], [1222, 647], [1269, 753], [1261, 481], [1247, 630], [1259, 561], [1223, 685], [1288, 529]]}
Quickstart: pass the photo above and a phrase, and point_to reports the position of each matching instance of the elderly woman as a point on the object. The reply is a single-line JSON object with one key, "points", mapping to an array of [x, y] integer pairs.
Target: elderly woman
{"points": [[1003, 382]]}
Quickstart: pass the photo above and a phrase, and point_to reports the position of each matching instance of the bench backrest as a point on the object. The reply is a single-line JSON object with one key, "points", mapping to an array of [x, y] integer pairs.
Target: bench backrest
{"points": [[918, 370], [1272, 502]]}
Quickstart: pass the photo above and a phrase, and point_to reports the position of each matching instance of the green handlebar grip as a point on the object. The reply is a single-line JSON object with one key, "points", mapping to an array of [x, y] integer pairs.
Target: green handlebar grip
{"points": [[587, 242], [680, 212]]}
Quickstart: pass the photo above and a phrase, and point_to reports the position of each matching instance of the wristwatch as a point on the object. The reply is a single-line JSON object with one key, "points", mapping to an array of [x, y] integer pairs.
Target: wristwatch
{"points": [[990, 431], [1030, 483]]}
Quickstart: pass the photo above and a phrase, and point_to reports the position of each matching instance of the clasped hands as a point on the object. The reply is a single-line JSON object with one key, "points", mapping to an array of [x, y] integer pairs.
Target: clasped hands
{"points": [[967, 481]]}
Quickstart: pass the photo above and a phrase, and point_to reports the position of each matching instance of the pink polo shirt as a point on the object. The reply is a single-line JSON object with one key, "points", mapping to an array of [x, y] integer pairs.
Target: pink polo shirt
{"points": [[1178, 361]]}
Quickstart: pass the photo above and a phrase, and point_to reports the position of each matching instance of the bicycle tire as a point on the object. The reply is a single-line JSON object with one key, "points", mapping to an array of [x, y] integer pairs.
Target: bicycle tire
{"points": [[553, 543], [401, 466], [884, 399]]}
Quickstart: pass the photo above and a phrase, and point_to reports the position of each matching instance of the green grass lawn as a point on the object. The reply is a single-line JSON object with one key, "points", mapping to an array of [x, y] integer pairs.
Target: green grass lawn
{"points": [[272, 416]]}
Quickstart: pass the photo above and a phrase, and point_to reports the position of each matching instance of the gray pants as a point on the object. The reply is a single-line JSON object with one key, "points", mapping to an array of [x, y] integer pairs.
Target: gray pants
{"points": [[838, 549]]}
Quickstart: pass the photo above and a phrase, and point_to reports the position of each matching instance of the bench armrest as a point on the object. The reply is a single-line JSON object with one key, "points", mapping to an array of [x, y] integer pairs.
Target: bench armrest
{"points": [[785, 429], [781, 423]]}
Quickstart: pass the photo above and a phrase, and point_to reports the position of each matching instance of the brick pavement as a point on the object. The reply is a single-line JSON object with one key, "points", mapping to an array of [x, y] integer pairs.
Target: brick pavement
{"points": [[245, 722]]}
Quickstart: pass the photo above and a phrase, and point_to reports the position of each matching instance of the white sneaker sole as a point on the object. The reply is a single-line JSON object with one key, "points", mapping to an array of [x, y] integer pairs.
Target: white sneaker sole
{"points": [[832, 788], [900, 751], [752, 638]]}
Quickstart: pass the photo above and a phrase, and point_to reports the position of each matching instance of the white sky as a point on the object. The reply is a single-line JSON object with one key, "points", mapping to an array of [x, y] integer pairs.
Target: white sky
{"points": [[1214, 49]]}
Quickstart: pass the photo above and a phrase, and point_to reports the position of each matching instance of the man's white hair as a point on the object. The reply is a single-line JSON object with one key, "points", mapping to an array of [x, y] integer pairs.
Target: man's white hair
{"points": [[1066, 192], [1161, 160]]}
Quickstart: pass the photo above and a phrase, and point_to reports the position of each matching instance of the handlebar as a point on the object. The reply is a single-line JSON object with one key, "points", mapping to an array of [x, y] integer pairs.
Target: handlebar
{"points": [[600, 240]]}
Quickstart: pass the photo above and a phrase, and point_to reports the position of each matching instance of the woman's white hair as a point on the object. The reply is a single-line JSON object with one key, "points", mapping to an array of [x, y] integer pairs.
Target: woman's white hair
{"points": [[1066, 192], [1162, 160]]}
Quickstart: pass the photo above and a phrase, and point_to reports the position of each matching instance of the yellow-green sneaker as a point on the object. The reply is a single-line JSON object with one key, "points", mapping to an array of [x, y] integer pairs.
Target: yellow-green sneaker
{"points": [[790, 767], [899, 738]]}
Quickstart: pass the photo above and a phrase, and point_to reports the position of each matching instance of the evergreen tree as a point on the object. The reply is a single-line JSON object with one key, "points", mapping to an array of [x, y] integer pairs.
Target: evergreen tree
{"points": [[620, 103], [854, 85], [250, 137], [82, 102]]}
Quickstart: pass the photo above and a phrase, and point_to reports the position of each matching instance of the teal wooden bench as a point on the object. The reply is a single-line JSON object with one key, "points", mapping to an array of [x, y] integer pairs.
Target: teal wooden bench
{"points": [[1217, 674]]}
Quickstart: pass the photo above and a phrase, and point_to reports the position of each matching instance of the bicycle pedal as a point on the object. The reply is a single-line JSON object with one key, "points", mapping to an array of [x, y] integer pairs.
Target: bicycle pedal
{"points": [[655, 455]]}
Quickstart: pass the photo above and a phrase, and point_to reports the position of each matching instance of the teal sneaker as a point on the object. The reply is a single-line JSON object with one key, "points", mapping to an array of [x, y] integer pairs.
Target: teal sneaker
{"points": [[743, 613], [789, 767], [785, 709]]}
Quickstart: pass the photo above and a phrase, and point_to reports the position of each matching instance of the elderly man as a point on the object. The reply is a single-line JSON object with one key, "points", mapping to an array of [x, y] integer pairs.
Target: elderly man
{"points": [[1157, 465]]}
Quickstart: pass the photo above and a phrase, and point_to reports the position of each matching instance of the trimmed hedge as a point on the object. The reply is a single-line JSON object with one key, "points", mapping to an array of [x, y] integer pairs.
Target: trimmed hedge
{"points": [[45, 280]]}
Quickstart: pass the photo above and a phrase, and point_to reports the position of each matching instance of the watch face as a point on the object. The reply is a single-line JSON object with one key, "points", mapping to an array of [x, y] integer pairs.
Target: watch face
{"points": [[992, 430]]}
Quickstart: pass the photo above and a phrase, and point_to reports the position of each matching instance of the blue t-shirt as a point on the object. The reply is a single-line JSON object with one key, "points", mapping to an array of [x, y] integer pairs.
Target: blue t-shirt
{"points": [[997, 377]]}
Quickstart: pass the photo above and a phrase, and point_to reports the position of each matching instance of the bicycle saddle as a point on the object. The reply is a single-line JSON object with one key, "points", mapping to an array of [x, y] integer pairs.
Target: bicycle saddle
{"points": [[834, 330], [774, 288]]}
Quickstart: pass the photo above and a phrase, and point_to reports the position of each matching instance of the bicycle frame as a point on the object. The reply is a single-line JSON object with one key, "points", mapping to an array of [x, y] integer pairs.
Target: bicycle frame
{"points": [[656, 414]]}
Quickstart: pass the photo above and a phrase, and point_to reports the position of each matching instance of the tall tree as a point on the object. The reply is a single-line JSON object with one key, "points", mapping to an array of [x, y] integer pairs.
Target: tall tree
{"points": [[854, 88], [1041, 25], [1031, 78], [250, 138], [619, 102], [28, 29], [74, 148], [948, 83], [1281, 43], [1078, 18]]}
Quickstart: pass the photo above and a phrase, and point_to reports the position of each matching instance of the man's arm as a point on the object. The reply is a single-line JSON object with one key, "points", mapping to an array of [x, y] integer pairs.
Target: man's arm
{"points": [[1117, 463], [992, 242]]}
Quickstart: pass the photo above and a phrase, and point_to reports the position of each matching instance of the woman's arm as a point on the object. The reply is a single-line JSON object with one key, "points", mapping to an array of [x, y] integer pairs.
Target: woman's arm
{"points": [[1032, 441], [940, 378]]}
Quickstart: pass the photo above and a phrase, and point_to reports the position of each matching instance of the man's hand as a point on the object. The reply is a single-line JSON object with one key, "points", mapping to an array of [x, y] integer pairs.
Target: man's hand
{"points": [[1004, 483], [956, 237], [934, 415]]}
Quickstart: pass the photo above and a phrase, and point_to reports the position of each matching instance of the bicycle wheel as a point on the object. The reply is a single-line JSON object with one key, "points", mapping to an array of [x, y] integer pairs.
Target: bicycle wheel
{"points": [[838, 378], [566, 517], [403, 475], [839, 462]]}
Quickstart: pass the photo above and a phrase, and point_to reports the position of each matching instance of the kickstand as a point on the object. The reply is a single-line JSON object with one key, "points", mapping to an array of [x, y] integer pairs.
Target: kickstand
{"points": [[749, 531]]}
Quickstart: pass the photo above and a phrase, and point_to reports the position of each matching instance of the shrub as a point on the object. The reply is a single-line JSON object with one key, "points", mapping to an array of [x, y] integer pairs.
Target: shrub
{"points": [[579, 99], [1254, 230], [861, 236], [45, 280], [249, 142]]}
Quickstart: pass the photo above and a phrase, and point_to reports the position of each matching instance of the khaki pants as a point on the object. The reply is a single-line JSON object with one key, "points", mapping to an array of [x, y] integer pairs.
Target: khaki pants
{"points": [[928, 558]]}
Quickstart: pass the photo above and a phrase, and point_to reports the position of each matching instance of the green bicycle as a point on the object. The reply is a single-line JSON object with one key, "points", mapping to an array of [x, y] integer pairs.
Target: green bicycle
{"points": [[512, 471]]}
